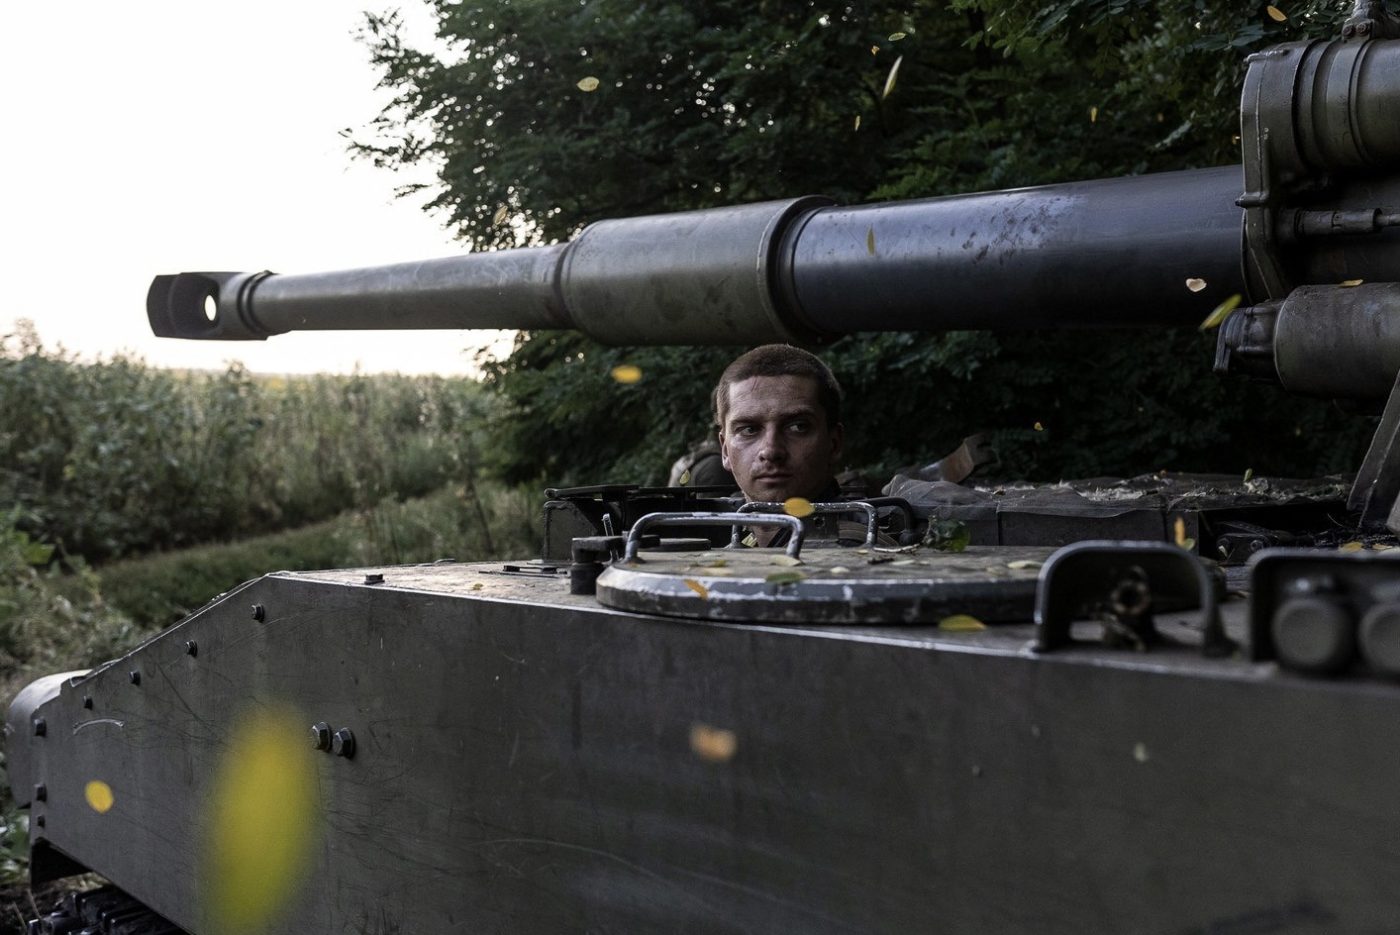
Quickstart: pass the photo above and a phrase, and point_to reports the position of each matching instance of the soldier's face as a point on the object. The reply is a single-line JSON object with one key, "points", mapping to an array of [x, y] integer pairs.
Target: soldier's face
{"points": [[775, 439]]}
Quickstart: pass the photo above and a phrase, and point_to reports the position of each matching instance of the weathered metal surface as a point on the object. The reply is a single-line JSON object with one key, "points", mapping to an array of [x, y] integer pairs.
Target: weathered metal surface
{"points": [[831, 585], [529, 762]]}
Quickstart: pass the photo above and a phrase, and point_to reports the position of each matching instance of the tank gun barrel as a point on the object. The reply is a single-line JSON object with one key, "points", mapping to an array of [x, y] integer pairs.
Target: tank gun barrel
{"points": [[1106, 252]]}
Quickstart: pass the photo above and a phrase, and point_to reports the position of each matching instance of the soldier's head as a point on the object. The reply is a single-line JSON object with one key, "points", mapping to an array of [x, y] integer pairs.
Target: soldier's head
{"points": [[778, 409]]}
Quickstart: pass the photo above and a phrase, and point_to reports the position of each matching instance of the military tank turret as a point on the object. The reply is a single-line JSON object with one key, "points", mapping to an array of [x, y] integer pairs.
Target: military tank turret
{"points": [[1073, 724]]}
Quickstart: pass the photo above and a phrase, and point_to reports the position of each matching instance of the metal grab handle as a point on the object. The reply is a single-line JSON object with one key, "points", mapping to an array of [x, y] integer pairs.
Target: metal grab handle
{"points": [[842, 506], [794, 525]]}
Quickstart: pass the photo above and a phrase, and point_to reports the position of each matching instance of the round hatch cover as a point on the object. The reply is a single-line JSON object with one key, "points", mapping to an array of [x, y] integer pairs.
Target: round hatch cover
{"points": [[832, 585]]}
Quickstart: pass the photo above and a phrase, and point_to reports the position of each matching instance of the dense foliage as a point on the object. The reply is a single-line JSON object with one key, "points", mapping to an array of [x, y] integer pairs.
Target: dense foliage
{"points": [[702, 104], [109, 458]]}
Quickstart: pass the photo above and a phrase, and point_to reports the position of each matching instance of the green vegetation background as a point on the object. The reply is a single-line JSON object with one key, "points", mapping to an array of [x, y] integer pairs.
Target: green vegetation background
{"points": [[729, 101]]}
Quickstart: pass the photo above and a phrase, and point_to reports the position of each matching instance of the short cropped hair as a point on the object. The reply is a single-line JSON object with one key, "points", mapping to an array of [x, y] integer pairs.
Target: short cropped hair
{"points": [[779, 360]]}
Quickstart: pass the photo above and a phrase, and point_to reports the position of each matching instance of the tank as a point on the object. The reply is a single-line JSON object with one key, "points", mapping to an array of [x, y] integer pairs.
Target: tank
{"points": [[1155, 705]]}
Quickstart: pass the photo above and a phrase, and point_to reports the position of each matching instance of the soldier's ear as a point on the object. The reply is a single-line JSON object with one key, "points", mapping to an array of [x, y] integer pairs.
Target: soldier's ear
{"points": [[724, 452]]}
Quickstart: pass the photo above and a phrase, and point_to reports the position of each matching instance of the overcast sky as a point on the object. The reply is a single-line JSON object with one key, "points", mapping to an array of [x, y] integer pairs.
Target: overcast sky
{"points": [[163, 136]]}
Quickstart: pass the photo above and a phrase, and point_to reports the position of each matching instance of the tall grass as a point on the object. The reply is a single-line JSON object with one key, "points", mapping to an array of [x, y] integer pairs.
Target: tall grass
{"points": [[113, 458]]}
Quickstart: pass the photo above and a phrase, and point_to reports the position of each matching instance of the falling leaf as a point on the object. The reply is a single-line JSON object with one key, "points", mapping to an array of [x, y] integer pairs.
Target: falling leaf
{"points": [[1248, 474], [798, 506], [890, 79], [857, 121], [1039, 427], [874, 50], [1275, 14], [500, 216], [626, 373], [870, 241], [698, 588], [588, 84], [262, 836], [1349, 283], [961, 623], [896, 36], [1023, 564], [713, 744], [1352, 546], [1093, 114], [1179, 531], [99, 796], [1140, 752], [784, 577], [1195, 285], [1222, 311]]}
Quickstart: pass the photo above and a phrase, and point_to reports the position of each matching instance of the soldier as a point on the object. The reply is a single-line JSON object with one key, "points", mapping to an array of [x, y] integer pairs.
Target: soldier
{"points": [[778, 409]]}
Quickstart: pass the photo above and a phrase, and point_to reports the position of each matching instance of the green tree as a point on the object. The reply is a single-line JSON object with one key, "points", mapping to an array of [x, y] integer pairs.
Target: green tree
{"points": [[704, 104]]}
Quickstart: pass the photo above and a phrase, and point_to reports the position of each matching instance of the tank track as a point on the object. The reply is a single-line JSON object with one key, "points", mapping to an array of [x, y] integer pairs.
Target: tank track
{"points": [[103, 911]]}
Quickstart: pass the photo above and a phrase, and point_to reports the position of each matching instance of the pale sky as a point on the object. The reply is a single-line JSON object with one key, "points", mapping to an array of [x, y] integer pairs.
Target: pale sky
{"points": [[164, 136]]}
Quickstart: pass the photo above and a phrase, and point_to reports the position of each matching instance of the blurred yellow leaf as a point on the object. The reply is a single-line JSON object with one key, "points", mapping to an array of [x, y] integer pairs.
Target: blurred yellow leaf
{"points": [[698, 588], [1222, 311], [786, 561], [891, 77], [500, 216], [713, 744], [1248, 474], [588, 84], [896, 36], [1195, 285], [1349, 283], [263, 810], [784, 577], [798, 506], [874, 50], [1352, 546], [1023, 564], [99, 796], [626, 373], [870, 241], [1179, 531], [961, 623], [1275, 14], [1093, 114], [857, 121], [1039, 427]]}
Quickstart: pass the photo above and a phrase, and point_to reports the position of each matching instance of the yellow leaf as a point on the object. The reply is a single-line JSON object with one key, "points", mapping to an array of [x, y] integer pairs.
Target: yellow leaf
{"points": [[890, 78], [896, 36], [713, 744], [1275, 14], [1093, 114], [1349, 283], [1023, 564], [961, 623], [1039, 427], [626, 373], [588, 84], [798, 506], [1352, 546], [1195, 285], [263, 812], [784, 577], [1179, 531], [698, 588], [874, 50], [1222, 311], [478, 586], [500, 216], [99, 796], [857, 121], [1248, 474], [786, 561], [870, 241]]}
